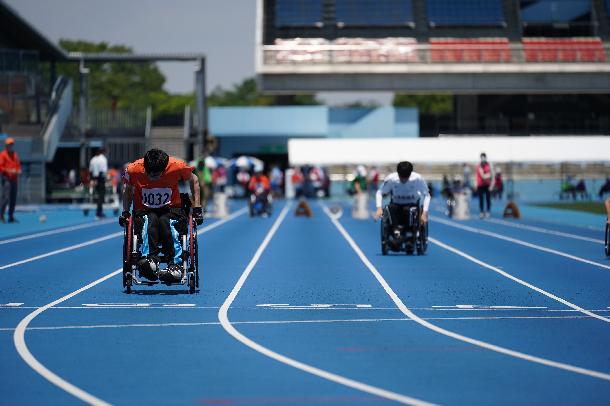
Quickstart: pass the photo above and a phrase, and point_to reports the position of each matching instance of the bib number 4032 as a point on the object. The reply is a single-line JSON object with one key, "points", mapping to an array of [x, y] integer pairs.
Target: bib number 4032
{"points": [[157, 197]]}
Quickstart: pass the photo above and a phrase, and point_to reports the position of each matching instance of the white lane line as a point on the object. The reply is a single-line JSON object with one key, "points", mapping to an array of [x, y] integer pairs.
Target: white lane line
{"points": [[516, 241], [57, 231], [321, 321], [26, 355], [62, 250], [519, 281], [109, 236], [222, 221], [407, 312], [544, 230], [226, 324]]}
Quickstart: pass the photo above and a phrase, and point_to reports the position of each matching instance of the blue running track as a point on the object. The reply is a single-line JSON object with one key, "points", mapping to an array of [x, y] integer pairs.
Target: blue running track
{"points": [[298, 311]]}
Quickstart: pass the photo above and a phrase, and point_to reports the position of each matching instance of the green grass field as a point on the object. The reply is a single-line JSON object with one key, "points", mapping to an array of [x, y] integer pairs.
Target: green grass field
{"points": [[589, 207]]}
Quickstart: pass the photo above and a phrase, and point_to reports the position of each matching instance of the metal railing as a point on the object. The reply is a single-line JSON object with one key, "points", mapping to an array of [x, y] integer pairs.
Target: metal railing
{"points": [[18, 61], [426, 53]]}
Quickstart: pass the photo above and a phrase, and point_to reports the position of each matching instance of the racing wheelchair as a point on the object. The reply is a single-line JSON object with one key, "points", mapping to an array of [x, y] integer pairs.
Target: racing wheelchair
{"points": [[190, 263], [260, 203], [404, 231]]}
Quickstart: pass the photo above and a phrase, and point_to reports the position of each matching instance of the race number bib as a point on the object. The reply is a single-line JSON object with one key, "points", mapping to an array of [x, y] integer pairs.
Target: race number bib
{"points": [[157, 197]]}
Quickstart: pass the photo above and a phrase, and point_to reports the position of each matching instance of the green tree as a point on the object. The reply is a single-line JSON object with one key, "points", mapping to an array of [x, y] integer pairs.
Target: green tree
{"points": [[246, 93], [438, 104], [125, 84]]}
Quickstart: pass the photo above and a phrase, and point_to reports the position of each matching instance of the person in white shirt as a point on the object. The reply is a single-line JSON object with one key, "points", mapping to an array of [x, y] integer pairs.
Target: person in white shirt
{"points": [[98, 166], [406, 188]]}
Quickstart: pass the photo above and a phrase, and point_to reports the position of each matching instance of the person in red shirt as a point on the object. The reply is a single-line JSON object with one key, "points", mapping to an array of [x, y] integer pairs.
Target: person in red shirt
{"points": [[259, 188], [151, 184], [485, 176], [10, 169]]}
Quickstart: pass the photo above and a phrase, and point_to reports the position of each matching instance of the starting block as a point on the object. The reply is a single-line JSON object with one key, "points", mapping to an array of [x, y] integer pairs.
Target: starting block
{"points": [[512, 210], [303, 209]]}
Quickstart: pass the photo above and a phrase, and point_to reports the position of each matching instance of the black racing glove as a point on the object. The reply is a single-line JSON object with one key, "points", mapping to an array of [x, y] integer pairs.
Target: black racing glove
{"points": [[198, 215], [124, 218]]}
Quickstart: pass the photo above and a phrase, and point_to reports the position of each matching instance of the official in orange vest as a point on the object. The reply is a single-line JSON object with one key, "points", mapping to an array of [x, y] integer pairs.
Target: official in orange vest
{"points": [[10, 169]]}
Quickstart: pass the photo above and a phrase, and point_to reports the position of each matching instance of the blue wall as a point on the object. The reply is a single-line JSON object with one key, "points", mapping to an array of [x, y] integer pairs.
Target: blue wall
{"points": [[268, 129]]}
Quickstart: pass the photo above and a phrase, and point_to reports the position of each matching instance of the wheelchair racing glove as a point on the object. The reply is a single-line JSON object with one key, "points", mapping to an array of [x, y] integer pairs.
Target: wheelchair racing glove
{"points": [[198, 215], [124, 218]]}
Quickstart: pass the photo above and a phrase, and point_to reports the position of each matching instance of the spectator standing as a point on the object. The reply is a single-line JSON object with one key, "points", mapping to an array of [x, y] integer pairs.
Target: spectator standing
{"points": [[498, 189], [297, 182], [277, 180], [359, 182], [98, 167], [484, 177], [10, 169]]}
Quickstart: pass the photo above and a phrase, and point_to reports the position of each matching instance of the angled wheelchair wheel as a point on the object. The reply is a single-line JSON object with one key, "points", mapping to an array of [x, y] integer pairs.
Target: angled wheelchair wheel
{"points": [[127, 240], [607, 244], [422, 239], [383, 234]]}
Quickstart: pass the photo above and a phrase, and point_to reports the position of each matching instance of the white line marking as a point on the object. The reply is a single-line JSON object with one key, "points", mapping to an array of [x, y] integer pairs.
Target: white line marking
{"points": [[59, 251], [13, 304], [516, 241], [107, 237], [57, 231], [519, 281], [543, 230], [405, 310], [320, 321], [24, 352], [26, 355], [226, 324]]}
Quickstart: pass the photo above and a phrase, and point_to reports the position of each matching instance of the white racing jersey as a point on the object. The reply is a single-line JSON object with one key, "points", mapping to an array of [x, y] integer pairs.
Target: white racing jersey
{"points": [[404, 193]]}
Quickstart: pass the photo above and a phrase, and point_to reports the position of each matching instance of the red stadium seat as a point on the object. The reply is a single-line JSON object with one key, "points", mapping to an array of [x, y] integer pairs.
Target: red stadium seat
{"points": [[563, 50], [469, 50]]}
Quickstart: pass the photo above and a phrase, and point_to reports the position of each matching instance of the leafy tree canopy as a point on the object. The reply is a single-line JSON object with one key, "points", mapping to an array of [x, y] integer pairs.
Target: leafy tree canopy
{"points": [[437, 104]]}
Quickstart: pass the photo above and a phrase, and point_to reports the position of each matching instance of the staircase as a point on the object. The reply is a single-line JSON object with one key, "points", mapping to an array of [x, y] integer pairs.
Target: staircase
{"points": [[169, 139]]}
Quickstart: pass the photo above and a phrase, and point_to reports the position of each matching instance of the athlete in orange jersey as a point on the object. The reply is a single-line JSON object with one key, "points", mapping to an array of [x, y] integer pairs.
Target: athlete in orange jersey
{"points": [[151, 184]]}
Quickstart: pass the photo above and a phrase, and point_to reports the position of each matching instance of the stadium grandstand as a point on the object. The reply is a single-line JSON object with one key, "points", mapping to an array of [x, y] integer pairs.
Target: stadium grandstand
{"points": [[514, 67]]}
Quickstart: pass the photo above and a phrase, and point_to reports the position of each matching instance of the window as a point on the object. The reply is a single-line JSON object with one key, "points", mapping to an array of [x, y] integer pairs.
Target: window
{"points": [[298, 13], [465, 12], [555, 11], [374, 12]]}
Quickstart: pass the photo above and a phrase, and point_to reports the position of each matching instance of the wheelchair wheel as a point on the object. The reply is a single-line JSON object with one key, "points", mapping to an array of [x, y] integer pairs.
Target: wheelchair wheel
{"points": [[607, 244], [383, 233], [422, 239], [127, 239]]}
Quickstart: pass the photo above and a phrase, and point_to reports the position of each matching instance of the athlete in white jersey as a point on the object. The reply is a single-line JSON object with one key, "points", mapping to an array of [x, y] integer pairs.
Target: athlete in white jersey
{"points": [[406, 188]]}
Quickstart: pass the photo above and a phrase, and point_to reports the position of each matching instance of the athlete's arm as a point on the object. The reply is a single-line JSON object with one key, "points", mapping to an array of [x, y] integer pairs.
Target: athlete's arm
{"points": [[607, 204], [127, 196], [384, 189], [423, 189], [194, 184]]}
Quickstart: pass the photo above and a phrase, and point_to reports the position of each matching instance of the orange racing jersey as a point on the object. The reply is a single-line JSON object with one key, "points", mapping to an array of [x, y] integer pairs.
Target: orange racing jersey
{"points": [[158, 193]]}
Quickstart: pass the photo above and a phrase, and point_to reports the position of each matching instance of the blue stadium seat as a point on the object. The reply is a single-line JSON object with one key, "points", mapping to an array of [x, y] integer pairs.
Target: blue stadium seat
{"points": [[554, 11], [608, 6], [374, 12], [298, 13], [465, 12]]}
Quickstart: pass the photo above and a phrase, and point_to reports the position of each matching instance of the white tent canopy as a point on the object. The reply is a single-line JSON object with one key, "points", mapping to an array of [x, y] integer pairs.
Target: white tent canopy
{"points": [[443, 150]]}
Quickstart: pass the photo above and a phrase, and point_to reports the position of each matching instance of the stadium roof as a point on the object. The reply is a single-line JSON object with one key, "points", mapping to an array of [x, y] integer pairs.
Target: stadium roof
{"points": [[15, 32], [447, 150]]}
